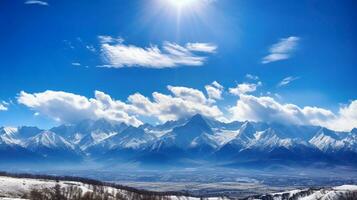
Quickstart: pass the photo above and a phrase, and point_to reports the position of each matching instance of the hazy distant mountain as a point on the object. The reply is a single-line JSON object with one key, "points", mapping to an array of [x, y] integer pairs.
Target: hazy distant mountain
{"points": [[189, 140]]}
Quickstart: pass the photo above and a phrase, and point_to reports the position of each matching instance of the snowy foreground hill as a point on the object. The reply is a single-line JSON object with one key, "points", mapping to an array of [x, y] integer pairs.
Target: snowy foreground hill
{"points": [[38, 189], [44, 189], [179, 143]]}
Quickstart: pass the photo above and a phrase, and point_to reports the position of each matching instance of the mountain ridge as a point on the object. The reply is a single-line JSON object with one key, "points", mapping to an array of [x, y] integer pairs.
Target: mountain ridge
{"points": [[192, 139]]}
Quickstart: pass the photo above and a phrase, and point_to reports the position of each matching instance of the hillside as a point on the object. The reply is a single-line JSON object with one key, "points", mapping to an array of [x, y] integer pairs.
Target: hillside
{"points": [[22, 187]]}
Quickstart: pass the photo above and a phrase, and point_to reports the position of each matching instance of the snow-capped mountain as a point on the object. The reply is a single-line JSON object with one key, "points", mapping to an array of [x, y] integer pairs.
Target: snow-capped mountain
{"points": [[194, 133], [51, 146], [131, 138], [192, 138], [48, 139], [327, 140], [88, 132]]}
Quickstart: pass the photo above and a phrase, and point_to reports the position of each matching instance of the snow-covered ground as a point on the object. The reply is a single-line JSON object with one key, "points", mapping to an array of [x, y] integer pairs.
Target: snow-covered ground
{"points": [[344, 192], [15, 188]]}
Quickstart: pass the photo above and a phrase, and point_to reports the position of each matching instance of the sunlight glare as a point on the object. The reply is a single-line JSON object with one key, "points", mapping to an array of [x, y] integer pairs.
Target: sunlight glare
{"points": [[181, 3]]}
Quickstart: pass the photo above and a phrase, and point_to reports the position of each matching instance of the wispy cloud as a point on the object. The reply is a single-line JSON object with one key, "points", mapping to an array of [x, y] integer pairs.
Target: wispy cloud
{"points": [[109, 39], [281, 50], [116, 54], [4, 106], [36, 2], [91, 48], [76, 64], [287, 81], [251, 77], [201, 47]]}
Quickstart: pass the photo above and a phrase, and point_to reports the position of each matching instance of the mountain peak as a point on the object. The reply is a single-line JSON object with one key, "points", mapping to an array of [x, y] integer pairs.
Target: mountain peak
{"points": [[247, 130], [328, 132], [48, 139], [197, 118]]}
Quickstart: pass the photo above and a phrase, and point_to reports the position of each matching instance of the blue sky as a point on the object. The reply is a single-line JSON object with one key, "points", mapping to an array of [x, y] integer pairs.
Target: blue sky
{"points": [[294, 52]]}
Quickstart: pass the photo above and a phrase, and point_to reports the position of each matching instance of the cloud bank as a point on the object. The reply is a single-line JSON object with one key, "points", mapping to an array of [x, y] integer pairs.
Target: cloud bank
{"points": [[69, 108], [267, 109], [182, 102]]}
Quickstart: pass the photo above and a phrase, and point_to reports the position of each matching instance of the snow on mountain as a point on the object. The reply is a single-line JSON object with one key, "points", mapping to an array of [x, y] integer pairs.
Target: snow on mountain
{"points": [[92, 139], [7, 136], [16, 136], [194, 133], [327, 140], [162, 129], [52, 147], [48, 139], [269, 139], [8, 130], [131, 138], [223, 136], [88, 132], [244, 137]]}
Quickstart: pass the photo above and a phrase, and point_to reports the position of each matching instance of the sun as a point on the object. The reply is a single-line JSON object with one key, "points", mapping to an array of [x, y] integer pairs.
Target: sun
{"points": [[181, 3]]}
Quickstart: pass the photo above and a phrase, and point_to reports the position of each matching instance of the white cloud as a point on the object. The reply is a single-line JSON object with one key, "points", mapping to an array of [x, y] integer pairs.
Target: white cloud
{"points": [[252, 77], [69, 108], [188, 94], [267, 109], [214, 90], [4, 106], [281, 50], [117, 54], [345, 119], [244, 88], [287, 81], [91, 48], [36, 2], [201, 47], [183, 102], [109, 39], [76, 64]]}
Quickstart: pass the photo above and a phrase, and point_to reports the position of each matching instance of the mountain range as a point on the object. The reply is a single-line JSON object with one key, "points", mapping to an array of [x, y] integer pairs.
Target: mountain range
{"points": [[191, 141]]}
